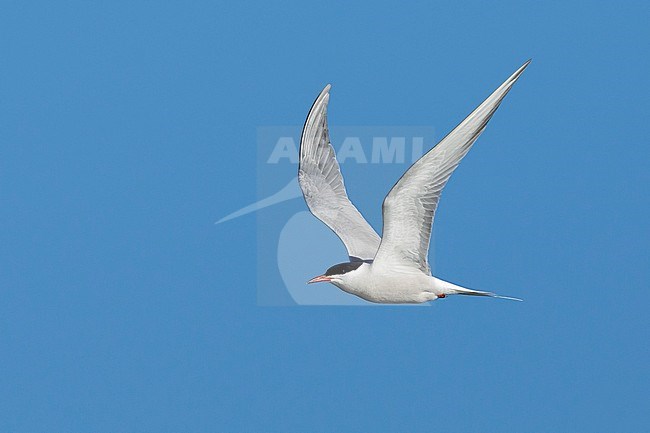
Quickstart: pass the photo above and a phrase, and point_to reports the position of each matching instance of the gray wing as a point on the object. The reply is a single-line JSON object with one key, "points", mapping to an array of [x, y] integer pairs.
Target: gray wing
{"points": [[322, 185], [410, 206]]}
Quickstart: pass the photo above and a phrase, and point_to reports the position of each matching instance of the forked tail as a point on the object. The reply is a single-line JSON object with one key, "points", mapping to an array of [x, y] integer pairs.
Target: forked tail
{"points": [[458, 290]]}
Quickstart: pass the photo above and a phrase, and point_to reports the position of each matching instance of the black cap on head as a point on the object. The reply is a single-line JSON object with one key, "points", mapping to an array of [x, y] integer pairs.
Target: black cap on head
{"points": [[343, 268]]}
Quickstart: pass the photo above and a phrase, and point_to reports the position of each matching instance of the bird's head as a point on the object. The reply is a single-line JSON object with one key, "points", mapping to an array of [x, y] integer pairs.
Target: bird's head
{"points": [[336, 273]]}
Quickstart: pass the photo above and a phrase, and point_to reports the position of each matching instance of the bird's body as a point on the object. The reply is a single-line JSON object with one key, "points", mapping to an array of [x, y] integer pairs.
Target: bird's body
{"points": [[378, 285], [398, 286], [393, 269], [375, 285]]}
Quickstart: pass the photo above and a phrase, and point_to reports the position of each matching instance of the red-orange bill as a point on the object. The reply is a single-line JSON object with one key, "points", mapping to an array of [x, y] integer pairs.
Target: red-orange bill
{"points": [[319, 279]]}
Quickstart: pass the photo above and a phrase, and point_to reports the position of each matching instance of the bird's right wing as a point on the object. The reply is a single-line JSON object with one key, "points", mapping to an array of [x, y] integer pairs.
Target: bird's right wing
{"points": [[322, 186], [411, 204]]}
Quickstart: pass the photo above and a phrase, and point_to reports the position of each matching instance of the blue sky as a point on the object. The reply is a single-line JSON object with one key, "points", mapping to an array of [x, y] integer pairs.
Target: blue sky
{"points": [[128, 128]]}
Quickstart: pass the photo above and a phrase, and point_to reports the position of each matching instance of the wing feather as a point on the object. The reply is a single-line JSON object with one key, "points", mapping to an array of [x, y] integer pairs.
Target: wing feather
{"points": [[410, 206], [322, 185]]}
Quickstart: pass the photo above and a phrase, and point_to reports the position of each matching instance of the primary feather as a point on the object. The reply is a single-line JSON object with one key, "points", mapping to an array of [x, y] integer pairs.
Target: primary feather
{"points": [[410, 206], [322, 185]]}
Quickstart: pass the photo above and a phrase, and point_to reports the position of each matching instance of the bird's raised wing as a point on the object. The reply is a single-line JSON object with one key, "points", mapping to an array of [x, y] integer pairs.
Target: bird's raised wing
{"points": [[322, 185], [410, 206]]}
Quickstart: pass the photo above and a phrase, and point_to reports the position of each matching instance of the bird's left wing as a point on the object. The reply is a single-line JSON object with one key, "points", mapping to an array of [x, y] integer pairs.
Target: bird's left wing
{"points": [[322, 186], [411, 204]]}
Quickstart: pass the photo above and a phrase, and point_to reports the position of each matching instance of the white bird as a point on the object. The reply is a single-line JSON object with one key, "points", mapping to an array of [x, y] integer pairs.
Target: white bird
{"points": [[393, 269]]}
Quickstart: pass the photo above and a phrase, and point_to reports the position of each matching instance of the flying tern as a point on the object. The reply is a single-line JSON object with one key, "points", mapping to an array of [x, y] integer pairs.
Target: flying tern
{"points": [[393, 269]]}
